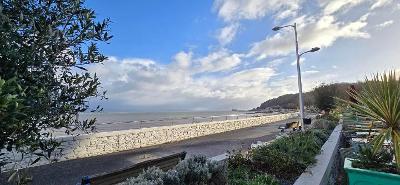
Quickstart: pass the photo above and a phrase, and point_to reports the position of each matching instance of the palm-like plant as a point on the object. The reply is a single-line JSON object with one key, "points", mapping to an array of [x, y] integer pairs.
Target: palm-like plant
{"points": [[379, 99]]}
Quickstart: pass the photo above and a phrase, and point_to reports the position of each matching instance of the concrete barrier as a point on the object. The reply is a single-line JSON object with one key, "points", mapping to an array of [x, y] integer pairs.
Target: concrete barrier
{"points": [[320, 173]]}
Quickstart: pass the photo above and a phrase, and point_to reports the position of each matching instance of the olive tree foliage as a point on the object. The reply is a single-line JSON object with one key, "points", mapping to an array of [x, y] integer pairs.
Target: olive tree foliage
{"points": [[11, 110], [45, 48]]}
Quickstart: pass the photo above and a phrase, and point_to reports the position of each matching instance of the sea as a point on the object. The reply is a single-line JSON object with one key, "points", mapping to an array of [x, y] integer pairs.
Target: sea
{"points": [[113, 121]]}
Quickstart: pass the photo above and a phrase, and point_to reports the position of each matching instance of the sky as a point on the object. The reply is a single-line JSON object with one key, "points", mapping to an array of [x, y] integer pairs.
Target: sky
{"points": [[191, 55]]}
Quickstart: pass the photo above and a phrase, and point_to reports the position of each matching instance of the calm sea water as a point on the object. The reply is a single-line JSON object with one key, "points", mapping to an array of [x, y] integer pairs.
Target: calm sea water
{"points": [[108, 121]]}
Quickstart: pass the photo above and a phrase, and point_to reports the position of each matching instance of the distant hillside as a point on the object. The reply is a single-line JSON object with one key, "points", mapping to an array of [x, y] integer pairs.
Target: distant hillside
{"points": [[291, 101]]}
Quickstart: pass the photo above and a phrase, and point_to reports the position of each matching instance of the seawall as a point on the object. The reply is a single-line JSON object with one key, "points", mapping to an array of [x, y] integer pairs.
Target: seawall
{"points": [[109, 142]]}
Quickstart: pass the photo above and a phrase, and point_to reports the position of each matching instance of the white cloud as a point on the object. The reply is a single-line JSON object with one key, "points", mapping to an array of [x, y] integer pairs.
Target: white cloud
{"points": [[227, 33], [384, 24], [365, 17], [311, 72], [233, 10], [221, 60], [380, 3], [313, 32], [275, 63], [287, 84], [333, 6], [183, 59], [286, 14], [142, 82]]}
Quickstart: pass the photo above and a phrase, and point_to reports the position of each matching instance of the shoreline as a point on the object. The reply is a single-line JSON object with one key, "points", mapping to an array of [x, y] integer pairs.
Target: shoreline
{"points": [[153, 123]]}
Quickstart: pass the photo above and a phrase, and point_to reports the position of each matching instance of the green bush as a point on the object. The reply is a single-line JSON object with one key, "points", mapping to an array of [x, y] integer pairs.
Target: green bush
{"points": [[288, 157], [171, 177], [151, 176], [303, 146], [321, 135], [219, 173], [323, 123], [237, 159], [367, 156], [379, 161], [244, 176], [276, 162], [196, 170]]}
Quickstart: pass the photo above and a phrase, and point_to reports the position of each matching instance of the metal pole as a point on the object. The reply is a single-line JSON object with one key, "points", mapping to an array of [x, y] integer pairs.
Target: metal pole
{"points": [[299, 78]]}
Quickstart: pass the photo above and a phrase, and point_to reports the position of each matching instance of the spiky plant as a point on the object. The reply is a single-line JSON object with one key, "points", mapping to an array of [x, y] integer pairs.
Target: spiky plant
{"points": [[379, 99]]}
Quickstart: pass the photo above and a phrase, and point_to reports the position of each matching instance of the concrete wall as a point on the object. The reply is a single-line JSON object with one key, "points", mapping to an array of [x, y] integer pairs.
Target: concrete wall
{"points": [[109, 142], [320, 173]]}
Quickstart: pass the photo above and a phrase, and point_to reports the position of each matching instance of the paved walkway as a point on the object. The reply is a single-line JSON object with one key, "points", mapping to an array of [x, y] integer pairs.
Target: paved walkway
{"points": [[70, 172]]}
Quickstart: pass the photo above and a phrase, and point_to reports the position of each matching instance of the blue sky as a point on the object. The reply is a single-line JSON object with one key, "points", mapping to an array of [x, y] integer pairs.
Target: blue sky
{"points": [[156, 29], [217, 55]]}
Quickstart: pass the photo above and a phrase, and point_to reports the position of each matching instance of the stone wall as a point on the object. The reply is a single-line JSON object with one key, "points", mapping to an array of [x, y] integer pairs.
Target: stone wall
{"points": [[109, 142]]}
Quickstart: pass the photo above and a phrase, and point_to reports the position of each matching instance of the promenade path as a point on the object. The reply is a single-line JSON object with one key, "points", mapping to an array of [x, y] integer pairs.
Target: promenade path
{"points": [[70, 172]]}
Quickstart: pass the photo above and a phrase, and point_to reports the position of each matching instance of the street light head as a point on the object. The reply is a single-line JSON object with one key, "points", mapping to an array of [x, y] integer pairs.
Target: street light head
{"points": [[276, 28], [314, 49]]}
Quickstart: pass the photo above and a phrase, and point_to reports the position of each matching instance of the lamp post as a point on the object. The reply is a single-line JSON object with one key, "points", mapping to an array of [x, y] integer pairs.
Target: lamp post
{"points": [[294, 26]]}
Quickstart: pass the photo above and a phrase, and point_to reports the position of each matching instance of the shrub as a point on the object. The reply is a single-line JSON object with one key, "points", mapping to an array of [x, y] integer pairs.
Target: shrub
{"points": [[238, 174], [171, 177], [196, 170], [320, 134], [276, 162], [263, 179], [380, 161], [151, 176], [323, 123], [288, 157], [244, 176], [155, 176], [219, 173], [303, 146], [365, 155], [237, 159]]}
